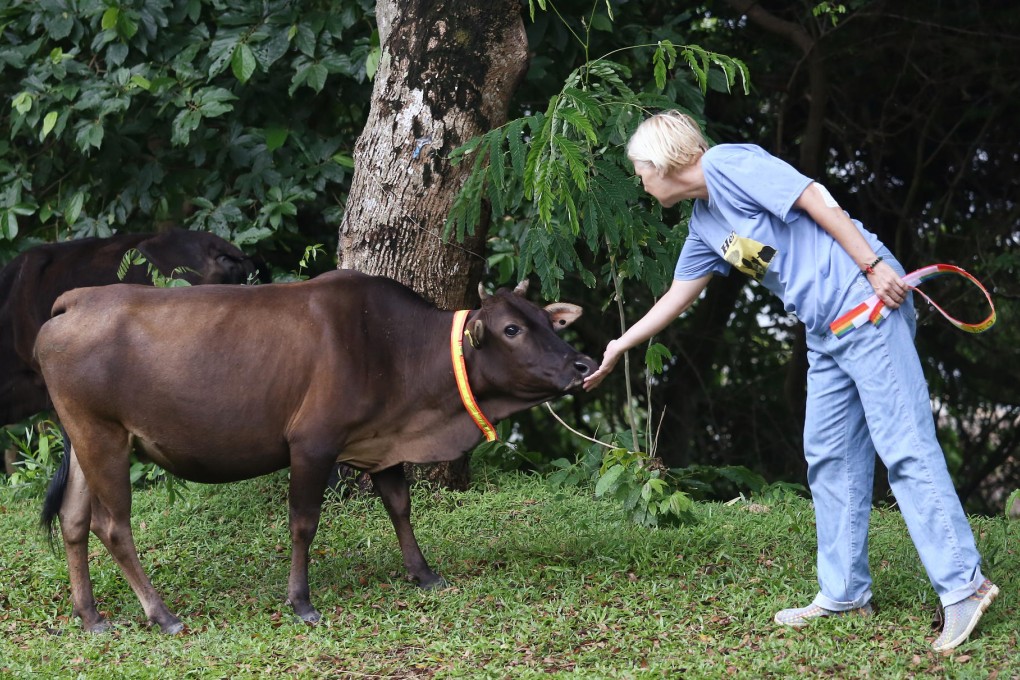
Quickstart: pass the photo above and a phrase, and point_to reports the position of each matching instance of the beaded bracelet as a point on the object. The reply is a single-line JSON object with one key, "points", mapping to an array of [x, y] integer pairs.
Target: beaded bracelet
{"points": [[870, 269]]}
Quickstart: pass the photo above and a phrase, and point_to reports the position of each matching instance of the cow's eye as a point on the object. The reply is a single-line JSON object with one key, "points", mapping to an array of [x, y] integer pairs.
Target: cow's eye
{"points": [[512, 330]]}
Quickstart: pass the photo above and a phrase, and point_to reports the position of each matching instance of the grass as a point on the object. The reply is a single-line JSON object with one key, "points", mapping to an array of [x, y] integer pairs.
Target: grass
{"points": [[542, 582]]}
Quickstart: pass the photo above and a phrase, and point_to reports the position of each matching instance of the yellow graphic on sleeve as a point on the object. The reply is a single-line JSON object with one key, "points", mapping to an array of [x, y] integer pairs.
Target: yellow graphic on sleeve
{"points": [[748, 255]]}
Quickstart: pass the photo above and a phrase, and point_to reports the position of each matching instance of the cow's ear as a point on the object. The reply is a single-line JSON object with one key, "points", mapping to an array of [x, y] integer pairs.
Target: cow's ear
{"points": [[476, 333], [562, 314], [159, 253], [231, 269], [168, 250]]}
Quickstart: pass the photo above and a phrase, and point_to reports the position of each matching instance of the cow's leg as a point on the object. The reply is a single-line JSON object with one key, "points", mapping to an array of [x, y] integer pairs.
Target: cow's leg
{"points": [[103, 453], [308, 477], [75, 519], [396, 496]]}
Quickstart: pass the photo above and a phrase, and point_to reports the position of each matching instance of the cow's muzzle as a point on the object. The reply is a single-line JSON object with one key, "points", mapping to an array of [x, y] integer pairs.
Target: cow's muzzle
{"points": [[583, 367]]}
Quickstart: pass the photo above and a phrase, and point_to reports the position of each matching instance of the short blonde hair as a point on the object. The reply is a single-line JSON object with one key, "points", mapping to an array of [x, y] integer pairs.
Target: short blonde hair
{"points": [[670, 140]]}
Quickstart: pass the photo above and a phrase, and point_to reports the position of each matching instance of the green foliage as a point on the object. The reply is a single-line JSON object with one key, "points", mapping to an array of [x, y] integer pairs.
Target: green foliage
{"points": [[655, 357], [634, 480], [1012, 507], [145, 474], [214, 115], [833, 10], [649, 494], [505, 453], [564, 191], [563, 174], [134, 258], [310, 255], [780, 492], [584, 471], [39, 452]]}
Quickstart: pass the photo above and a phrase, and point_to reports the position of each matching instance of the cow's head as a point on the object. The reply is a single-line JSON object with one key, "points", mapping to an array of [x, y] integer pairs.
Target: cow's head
{"points": [[516, 352], [207, 258]]}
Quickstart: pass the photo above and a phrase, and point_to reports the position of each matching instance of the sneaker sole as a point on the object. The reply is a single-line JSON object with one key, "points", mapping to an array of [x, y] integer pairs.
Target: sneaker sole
{"points": [[986, 602], [798, 623], [790, 624]]}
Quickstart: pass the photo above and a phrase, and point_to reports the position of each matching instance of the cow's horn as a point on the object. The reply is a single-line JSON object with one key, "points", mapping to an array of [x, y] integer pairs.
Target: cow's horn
{"points": [[522, 288], [482, 295]]}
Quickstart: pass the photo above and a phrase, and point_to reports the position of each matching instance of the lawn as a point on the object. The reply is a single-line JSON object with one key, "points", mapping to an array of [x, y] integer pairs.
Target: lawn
{"points": [[541, 582]]}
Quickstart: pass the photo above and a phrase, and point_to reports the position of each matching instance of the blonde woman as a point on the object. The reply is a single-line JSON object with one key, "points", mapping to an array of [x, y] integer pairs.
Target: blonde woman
{"points": [[866, 391]]}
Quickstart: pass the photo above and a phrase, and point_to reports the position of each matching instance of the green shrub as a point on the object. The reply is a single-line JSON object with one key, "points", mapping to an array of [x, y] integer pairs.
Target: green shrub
{"points": [[40, 450]]}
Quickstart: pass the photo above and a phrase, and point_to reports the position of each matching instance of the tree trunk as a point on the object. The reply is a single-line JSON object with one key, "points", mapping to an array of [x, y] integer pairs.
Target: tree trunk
{"points": [[446, 74]]}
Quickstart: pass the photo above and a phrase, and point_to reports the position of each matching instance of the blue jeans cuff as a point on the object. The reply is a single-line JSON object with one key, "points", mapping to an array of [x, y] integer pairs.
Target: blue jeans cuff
{"points": [[965, 591], [837, 606]]}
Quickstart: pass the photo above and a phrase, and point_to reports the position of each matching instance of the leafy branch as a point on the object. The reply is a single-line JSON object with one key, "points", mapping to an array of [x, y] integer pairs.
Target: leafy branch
{"points": [[562, 175], [564, 171], [201, 114]]}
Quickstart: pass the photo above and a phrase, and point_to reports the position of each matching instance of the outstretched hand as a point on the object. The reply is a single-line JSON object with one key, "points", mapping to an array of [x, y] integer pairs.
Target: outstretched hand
{"points": [[609, 361]]}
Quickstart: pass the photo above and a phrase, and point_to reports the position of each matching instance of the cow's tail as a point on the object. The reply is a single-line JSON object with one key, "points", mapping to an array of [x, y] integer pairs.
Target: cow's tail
{"points": [[55, 492]]}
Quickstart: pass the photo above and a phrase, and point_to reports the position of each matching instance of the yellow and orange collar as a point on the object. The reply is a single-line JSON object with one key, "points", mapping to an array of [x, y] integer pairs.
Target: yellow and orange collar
{"points": [[460, 373]]}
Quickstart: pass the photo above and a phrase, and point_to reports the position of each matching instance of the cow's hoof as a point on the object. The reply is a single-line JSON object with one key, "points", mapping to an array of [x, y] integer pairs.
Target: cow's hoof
{"points": [[306, 613], [437, 583], [172, 628], [100, 626], [311, 617], [304, 610]]}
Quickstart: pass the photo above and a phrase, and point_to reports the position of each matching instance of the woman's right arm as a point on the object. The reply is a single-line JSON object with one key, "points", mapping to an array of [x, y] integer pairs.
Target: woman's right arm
{"points": [[675, 302]]}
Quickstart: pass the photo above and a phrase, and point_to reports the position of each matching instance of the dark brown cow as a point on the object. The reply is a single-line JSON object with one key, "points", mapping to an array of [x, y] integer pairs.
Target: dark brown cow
{"points": [[221, 383], [33, 280]]}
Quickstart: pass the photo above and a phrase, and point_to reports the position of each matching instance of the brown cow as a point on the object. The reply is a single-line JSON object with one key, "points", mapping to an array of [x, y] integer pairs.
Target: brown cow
{"points": [[221, 383], [33, 280]]}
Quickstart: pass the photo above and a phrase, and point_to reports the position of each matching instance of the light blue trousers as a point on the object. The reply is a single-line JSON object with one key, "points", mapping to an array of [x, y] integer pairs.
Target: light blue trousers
{"points": [[867, 394]]}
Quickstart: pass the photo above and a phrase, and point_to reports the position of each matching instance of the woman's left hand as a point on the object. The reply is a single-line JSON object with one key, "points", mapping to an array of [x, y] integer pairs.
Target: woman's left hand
{"points": [[890, 288]]}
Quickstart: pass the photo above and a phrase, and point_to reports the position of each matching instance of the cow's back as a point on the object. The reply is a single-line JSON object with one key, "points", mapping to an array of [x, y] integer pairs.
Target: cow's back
{"points": [[103, 340], [227, 369], [214, 334], [31, 283], [34, 279]]}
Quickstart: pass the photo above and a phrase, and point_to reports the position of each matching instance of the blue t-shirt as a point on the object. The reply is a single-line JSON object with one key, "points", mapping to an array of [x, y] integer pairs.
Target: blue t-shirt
{"points": [[749, 222]]}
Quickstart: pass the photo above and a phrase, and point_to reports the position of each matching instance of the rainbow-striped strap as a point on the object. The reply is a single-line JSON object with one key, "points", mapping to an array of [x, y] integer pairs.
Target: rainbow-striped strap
{"points": [[874, 310], [460, 373]]}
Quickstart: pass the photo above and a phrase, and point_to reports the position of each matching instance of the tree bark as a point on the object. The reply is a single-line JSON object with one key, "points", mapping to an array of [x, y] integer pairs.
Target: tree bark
{"points": [[446, 74]]}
